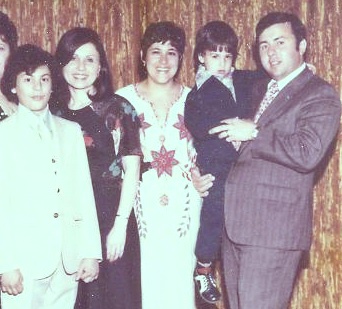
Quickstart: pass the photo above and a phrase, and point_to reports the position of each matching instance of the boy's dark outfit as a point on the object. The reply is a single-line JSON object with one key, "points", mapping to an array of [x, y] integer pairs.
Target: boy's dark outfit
{"points": [[205, 107]]}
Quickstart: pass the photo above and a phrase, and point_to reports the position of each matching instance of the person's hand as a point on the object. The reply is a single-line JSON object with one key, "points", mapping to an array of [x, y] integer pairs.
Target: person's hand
{"points": [[201, 183], [235, 129], [116, 240], [88, 270], [12, 282]]}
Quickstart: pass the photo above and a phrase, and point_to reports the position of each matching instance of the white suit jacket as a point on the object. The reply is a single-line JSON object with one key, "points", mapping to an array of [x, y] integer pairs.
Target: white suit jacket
{"points": [[47, 208]]}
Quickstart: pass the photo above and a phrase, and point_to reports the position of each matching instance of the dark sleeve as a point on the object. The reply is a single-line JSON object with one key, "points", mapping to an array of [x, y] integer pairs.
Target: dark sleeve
{"points": [[122, 115], [205, 108], [193, 115], [244, 83], [300, 138], [197, 117]]}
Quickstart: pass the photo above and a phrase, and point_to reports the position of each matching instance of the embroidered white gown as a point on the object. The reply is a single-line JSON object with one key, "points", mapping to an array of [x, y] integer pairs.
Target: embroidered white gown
{"points": [[167, 206]]}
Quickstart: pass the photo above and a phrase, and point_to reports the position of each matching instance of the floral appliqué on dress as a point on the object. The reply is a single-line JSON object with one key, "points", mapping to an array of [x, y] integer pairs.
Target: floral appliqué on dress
{"points": [[163, 161], [183, 131]]}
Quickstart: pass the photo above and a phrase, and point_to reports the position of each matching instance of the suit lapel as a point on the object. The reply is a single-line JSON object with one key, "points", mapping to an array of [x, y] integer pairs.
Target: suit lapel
{"points": [[284, 99]]}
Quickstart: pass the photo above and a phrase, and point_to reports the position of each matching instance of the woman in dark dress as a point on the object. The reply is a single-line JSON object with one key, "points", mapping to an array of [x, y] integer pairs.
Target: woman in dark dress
{"points": [[111, 133]]}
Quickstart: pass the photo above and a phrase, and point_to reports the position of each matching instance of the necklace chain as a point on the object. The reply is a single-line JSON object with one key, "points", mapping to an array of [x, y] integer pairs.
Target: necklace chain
{"points": [[167, 111]]}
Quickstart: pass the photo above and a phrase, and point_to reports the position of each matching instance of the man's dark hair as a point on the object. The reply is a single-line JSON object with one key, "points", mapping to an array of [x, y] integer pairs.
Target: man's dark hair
{"points": [[273, 18]]}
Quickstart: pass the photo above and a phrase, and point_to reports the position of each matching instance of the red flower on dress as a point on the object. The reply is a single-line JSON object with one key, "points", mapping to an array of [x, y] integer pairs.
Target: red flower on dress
{"points": [[163, 161], [144, 124], [183, 131]]}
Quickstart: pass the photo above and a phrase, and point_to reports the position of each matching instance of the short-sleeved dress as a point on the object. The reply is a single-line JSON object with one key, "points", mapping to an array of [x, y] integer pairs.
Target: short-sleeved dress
{"points": [[167, 206], [118, 285]]}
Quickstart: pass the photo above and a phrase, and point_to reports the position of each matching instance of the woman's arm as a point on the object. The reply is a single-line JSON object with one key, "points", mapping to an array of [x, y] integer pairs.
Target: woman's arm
{"points": [[116, 238]]}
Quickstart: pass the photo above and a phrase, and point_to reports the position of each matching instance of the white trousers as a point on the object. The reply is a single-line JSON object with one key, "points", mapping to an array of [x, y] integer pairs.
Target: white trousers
{"points": [[57, 291]]}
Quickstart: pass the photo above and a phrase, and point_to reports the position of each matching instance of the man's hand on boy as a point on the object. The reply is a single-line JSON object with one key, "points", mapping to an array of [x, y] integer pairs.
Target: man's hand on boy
{"points": [[235, 129]]}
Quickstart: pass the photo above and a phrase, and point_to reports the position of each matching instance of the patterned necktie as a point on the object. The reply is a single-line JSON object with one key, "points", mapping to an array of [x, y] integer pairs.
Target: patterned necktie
{"points": [[271, 93]]}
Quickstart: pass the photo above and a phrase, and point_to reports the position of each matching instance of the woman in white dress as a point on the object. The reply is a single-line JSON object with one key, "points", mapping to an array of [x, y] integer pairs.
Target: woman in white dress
{"points": [[167, 205]]}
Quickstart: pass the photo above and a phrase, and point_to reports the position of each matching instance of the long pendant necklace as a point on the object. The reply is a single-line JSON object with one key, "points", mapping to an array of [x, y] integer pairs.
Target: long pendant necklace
{"points": [[161, 125], [154, 109]]}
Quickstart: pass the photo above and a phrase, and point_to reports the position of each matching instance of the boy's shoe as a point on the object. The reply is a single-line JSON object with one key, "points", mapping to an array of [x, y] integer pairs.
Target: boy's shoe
{"points": [[206, 285]]}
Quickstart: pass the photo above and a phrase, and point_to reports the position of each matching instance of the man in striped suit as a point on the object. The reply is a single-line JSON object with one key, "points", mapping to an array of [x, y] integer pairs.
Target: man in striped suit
{"points": [[268, 193]]}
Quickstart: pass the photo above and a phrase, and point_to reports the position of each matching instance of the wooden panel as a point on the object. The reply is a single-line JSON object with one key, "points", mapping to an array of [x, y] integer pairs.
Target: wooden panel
{"points": [[117, 22], [120, 24]]}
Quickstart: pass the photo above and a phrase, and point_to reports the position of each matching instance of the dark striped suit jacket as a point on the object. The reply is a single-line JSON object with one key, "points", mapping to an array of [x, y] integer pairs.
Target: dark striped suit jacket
{"points": [[268, 193]]}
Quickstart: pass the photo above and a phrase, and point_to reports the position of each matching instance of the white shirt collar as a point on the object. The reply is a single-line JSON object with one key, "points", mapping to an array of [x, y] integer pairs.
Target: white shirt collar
{"points": [[32, 119], [203, 75], [283, 82]]}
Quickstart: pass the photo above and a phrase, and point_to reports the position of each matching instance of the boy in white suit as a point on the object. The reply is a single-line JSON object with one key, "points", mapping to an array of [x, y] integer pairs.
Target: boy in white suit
{"points": [[49, 230]]}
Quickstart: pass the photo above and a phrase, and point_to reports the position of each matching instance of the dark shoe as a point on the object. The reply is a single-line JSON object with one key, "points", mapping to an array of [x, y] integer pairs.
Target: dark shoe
{"points": [[206, 285]]}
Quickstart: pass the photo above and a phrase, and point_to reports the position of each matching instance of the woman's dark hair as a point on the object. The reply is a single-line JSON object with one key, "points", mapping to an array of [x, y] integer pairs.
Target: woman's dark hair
{"points": [[27, 58], [161, 32], [215, 35], [8, 32], [67, 45], [298, 29]]}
